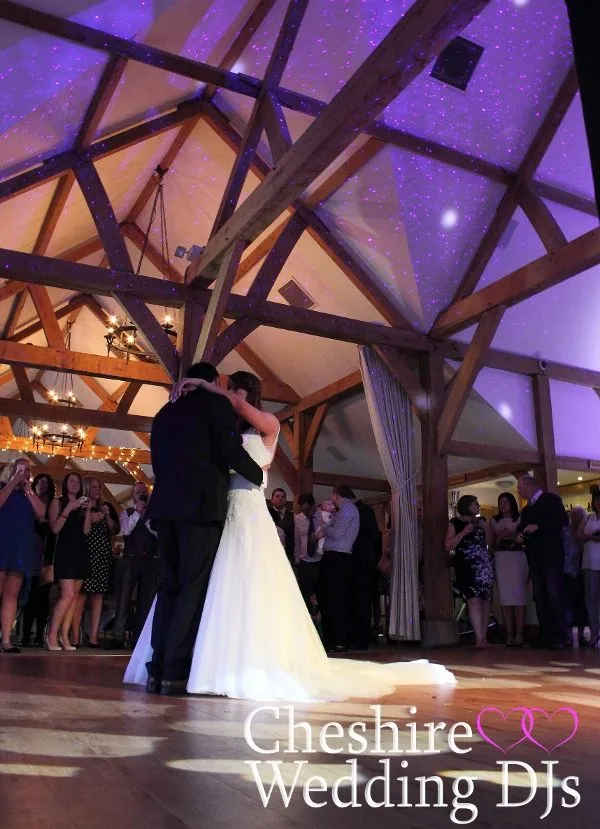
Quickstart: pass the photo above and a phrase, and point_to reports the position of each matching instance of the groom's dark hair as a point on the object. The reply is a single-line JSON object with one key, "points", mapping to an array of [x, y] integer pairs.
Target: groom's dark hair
{"points": [[202, 371]]}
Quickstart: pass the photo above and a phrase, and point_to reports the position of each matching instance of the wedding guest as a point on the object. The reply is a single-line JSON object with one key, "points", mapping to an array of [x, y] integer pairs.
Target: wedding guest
{"points": [[307, 555], [104, 524], [366, 552], [512, 570], [574, 587], [589, 533], [71, 519], [37, 608], [19, 507], [467, 538], [284, 520], [541, 530], [139, 567], [333, 591]]}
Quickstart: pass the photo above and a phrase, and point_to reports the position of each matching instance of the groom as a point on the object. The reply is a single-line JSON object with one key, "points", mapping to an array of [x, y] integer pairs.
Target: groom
{"points": [[194, 443]]}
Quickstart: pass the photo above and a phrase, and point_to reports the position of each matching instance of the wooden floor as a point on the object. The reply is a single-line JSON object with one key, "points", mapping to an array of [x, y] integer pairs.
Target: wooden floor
{"points": [[77, 749]]}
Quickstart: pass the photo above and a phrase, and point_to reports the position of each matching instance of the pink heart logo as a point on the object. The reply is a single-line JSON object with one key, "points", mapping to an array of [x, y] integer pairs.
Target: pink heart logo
{"points": [[528, 724], [483, 734]]}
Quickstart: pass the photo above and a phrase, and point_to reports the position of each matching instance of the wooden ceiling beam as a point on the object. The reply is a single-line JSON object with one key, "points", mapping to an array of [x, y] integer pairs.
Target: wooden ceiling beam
{"points": [[218, 302], [276, 126], [511, 198], [118, 256], [252, 24], [462, 383], [346, 387], [355, 482], [102, 418], [422, 33], [346, 170], [463, 449], [541, 218], [120, 47], [337, 250], [103, 453], [261, 287], [273, 74], [569, 260], [73, 362], [406, 375]]}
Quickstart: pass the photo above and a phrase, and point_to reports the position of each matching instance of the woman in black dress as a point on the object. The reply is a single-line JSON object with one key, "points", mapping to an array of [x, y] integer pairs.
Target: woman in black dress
{"points": [[38, 605], [468, 537], [70, 519], [99, 581]]}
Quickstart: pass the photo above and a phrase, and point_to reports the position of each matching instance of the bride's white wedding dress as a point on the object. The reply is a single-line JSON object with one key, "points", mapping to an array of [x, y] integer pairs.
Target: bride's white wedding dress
{"points": [[256, 639]]}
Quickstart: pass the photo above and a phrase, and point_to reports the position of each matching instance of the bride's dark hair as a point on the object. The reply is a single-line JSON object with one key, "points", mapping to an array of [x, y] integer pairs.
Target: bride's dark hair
{"points": [[252, 385]]}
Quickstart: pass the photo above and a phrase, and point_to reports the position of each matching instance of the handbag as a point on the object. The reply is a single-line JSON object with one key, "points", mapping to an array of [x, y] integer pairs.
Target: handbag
{"points": [[47, 571]]}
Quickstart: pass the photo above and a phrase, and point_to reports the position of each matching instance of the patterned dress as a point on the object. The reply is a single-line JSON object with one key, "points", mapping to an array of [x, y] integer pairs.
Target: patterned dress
{"points": [[100, 570], [472, 563]]}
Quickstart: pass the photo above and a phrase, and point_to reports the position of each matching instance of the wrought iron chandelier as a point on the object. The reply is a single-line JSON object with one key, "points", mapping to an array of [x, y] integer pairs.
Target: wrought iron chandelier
{"points": [[48, 437], [122, 335]]}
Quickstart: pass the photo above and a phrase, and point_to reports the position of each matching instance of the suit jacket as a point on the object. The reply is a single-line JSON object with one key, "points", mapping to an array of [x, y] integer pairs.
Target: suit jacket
{"points": [[194, 443], [368, 541], [550, 516], [288, 525]]}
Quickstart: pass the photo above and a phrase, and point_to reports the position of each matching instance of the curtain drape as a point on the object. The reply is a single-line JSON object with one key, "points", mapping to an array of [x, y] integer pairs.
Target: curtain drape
{"points": [[391, 415]]}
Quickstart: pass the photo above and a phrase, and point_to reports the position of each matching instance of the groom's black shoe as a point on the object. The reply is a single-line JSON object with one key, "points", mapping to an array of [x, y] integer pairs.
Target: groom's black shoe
{"points": [[173, 687], [153, 685]]}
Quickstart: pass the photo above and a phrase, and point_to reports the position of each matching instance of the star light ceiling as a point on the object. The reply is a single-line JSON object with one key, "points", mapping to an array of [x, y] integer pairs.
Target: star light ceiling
{"points": [[122, 335]]}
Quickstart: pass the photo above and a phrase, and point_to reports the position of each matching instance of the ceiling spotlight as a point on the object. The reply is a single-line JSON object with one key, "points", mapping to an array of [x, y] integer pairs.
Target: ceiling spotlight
{"points": [[449, 218], [520, 3], [580, 478]]}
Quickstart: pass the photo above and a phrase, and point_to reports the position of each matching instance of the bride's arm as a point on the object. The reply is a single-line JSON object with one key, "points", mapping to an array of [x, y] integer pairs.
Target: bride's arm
{"points": [[264, 422]]}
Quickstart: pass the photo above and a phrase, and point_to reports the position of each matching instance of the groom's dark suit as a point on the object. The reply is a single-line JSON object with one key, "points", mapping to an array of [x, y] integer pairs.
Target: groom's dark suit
{"points": [[194, 443]]}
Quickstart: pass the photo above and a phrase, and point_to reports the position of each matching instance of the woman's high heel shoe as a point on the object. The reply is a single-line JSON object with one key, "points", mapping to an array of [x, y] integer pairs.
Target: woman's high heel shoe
{"points": [[66, 646], [50, 647]]}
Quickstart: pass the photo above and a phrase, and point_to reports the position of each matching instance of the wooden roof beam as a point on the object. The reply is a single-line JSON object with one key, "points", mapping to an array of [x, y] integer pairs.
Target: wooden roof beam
{"points": [[347, 386], [118, 256], [120, 47], [511, 199], [569, 260], [461, 385], [422, 33]]}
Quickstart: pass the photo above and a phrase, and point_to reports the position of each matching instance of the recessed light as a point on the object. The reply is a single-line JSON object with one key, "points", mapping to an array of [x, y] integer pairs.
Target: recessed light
{"points": [[580, 478], [520, 3], [449, 218]]}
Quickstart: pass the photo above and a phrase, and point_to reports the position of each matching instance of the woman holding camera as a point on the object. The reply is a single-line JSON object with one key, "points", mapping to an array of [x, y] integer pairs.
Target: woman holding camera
{"points": [[71, 520], [467, 538], [104, 524], [19, 507], [589, 533]]}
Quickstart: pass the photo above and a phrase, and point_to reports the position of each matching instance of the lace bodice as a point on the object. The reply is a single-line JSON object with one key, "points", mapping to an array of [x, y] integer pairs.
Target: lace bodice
{"points": [[254, 446]]}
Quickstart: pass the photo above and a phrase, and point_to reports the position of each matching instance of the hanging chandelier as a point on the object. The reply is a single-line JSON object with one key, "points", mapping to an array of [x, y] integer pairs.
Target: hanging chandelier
{"points": [[48, 437], [122, 335]]}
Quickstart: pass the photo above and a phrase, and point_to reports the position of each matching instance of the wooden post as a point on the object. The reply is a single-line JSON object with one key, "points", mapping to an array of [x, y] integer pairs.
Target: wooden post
{"points": [[547, 472], [439, 627]]}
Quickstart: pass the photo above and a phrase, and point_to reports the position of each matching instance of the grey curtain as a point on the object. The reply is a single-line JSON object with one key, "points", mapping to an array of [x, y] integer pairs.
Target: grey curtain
{"points": [[391, 415]]}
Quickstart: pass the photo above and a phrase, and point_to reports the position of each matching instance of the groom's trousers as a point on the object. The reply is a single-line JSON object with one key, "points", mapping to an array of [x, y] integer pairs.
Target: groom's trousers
{"points": [[186, 554]]}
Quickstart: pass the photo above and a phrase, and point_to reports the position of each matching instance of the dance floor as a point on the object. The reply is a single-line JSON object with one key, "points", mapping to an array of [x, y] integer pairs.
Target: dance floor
{"points": [[77, 749]]}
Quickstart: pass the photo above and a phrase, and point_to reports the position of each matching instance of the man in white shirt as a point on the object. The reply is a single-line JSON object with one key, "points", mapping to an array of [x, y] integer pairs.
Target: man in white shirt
{"points": [[139, 566], [307, 554]]}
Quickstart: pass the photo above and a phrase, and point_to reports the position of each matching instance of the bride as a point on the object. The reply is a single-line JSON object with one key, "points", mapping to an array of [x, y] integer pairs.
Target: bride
{"points": [[256, 639]]}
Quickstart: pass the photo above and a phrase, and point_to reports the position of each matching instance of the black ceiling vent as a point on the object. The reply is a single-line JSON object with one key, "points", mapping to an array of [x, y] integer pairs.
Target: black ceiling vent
{"points": [[457, 63], [294, 295]]}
